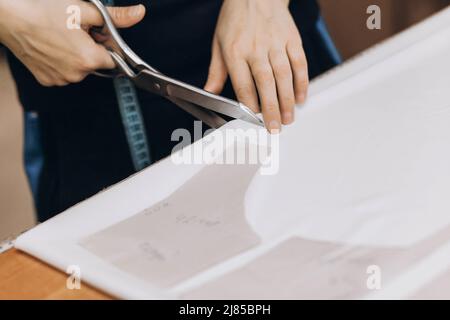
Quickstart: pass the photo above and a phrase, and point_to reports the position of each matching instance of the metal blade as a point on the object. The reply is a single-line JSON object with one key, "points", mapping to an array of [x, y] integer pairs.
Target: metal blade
{"points": [[170, 88]]}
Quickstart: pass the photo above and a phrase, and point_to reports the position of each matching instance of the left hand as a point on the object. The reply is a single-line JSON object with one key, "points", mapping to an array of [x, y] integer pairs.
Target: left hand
{"points": [[258, 45]]}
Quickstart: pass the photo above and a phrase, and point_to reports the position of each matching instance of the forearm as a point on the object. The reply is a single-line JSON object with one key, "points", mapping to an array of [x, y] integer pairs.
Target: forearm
{"points": [[5, 19], [3, 16]]}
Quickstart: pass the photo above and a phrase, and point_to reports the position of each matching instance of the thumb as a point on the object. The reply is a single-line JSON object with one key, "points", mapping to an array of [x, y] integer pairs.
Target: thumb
{"points": [[123, 17], [218, 73]]}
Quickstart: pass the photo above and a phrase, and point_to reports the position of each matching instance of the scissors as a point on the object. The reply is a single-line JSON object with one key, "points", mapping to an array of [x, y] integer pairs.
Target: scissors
{"points": [[203, 105]]}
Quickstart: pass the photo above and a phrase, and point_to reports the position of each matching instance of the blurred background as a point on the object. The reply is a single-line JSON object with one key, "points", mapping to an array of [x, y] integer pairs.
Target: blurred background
{"points": [[346, 21]]}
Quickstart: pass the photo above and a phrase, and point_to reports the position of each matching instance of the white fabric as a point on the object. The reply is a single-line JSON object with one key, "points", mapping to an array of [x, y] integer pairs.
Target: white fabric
{"points": [[367, 163]]}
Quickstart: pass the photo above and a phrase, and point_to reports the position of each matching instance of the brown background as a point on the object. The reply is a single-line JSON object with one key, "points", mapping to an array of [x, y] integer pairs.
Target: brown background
{"points": [[346, 21], [15, 200]]}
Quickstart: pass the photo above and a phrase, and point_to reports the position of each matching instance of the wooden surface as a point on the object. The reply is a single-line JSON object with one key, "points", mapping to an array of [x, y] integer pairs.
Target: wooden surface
{"points": [[24, 277]]}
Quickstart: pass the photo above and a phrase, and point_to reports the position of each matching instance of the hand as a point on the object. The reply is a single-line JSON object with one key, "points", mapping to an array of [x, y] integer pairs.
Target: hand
{"points": [[36, 32], [258, 45]]}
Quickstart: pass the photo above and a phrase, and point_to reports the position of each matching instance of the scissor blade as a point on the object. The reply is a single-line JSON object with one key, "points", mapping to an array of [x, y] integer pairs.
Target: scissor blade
{"points": [[211, 118], [215, 103], [171, 88]]}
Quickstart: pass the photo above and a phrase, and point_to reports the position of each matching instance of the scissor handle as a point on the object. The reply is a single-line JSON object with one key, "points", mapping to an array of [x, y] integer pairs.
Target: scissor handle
{"points": [[117, 44]]}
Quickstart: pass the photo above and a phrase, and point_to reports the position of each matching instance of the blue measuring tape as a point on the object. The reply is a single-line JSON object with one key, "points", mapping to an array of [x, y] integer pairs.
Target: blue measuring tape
{"points": [[132, 120]]}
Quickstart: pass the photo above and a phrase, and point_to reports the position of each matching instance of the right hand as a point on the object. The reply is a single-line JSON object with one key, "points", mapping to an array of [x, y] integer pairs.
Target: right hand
{"points": [[36, 32]]}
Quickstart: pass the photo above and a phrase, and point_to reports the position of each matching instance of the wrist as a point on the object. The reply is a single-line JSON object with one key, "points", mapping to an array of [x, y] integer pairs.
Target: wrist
{"points": [[13, 14], [4, 19]]}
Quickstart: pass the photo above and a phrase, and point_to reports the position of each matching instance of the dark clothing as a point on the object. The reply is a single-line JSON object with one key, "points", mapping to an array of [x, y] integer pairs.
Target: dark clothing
{"points": [[79, 127]]}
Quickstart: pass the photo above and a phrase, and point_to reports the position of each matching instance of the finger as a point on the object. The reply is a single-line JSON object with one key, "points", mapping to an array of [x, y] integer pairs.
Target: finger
{"points": [[51, 80], [217, 75], [244, 85], [123, 17], [284, 82], [102, 58], [299, 67], [46, 75], [265, 83], [56, 75], [42, 76], [94, 56], [61, 82]]}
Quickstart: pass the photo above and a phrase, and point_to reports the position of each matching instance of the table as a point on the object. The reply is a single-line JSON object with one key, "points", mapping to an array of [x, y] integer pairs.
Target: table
{"points": [[24, 277]]}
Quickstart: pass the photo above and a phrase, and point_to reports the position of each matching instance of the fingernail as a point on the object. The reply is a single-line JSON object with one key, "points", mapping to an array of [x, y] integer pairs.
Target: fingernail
{"points": [[274, 127], [207, 87], [288, 117], [301, 98], [136, 11]]}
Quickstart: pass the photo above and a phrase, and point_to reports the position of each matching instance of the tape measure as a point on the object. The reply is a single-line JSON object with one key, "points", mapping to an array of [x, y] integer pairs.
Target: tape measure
{"points": [[132, 120]]}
